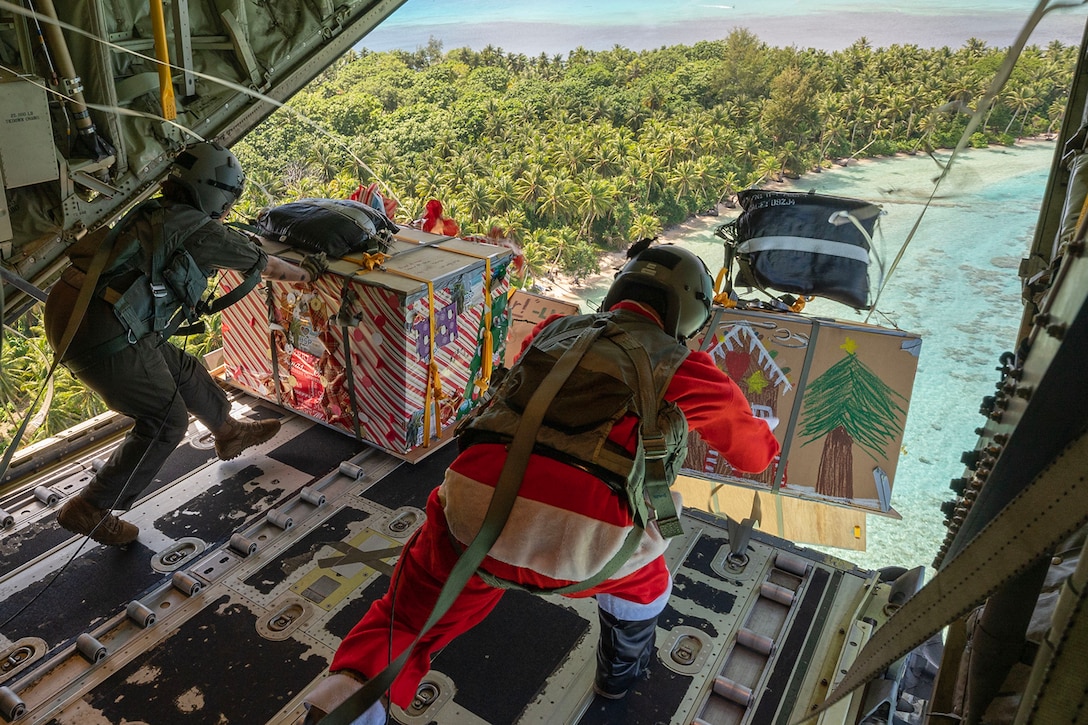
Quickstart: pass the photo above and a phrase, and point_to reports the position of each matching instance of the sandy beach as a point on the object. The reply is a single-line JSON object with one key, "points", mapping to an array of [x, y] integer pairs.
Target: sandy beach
{"points": [[568, 288]]}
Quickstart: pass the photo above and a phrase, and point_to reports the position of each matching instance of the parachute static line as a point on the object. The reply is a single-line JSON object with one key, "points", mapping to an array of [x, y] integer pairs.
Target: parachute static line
{"points": [[865, 670], [1001, 77], [38, 18]]}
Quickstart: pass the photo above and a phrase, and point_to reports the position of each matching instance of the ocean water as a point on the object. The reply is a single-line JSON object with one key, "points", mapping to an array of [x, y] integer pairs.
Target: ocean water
{"points": [[559, 26], [956, 286]]}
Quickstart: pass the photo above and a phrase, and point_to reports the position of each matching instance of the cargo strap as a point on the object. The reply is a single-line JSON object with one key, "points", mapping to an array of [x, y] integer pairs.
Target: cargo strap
{"points": [[103, 255], [433, 394], [1011, 543], [349, 377], [273, 328], [487, 352], [502, 503]]}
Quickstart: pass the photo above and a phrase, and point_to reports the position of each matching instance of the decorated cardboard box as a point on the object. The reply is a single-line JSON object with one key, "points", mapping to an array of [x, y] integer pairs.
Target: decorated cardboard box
{"points": [[391, 350], [840, 390], [527, 310]]}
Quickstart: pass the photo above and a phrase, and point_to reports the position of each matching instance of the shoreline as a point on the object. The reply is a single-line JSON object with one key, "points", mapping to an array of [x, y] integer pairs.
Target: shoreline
{"points": [[567, 288], [833, 31]]}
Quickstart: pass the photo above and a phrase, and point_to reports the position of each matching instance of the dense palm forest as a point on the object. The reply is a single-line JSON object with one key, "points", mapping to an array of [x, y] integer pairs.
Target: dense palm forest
{"points": [[573, 155], [594, 150]]}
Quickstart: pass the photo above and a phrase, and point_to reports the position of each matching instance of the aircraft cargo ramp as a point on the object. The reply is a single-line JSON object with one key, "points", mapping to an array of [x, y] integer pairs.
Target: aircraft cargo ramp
{"points": [[247, 574]]}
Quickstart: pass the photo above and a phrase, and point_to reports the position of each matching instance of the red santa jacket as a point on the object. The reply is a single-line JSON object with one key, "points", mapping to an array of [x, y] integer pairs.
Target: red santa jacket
{"points": [[567, 524]]}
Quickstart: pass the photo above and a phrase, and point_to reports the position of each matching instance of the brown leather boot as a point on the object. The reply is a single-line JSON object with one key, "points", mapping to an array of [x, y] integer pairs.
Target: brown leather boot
{"points": [[239, 435], [82, 517]]}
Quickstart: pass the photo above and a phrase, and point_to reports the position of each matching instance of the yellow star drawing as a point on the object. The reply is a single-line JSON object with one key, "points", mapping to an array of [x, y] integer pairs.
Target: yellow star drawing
{"points": [[756, 382]]}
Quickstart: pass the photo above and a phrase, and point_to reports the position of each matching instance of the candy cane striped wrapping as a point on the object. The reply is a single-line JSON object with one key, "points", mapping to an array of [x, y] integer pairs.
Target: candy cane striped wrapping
{"points": [[389, 350]]}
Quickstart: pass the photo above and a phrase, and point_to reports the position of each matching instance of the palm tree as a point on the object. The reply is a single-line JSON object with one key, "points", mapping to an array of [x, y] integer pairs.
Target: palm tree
{"points": [[681, 179], [555, 199], [644, 226], [594, 199], [505, 194], [475, 200]]}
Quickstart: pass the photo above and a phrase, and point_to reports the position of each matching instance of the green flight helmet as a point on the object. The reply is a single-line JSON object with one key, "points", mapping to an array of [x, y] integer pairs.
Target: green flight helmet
{"points": [[672, 280], [211, 175]]}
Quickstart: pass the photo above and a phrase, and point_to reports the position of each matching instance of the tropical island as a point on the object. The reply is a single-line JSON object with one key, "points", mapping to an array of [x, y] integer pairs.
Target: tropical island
{"points": [[573, 157]]}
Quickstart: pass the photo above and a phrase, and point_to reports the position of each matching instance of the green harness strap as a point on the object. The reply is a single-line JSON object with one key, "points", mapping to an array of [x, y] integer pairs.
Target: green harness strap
{"points": [[653, 449], [502, 502], [648, 467], [103, 255]]}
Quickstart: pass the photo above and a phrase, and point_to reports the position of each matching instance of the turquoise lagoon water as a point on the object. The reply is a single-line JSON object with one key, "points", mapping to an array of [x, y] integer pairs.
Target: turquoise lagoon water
{"points": [[956, 287], [558, 26]]}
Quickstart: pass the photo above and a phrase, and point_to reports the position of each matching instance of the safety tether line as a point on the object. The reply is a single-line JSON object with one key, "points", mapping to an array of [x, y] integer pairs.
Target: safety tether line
{"points": [[1049, 510], [998, 82]]}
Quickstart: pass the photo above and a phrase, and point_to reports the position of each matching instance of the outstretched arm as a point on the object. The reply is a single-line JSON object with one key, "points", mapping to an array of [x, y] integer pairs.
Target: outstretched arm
{"points": [[282, 270]]}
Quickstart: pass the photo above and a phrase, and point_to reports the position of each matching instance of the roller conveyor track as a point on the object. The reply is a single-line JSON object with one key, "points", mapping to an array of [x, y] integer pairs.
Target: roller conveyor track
{"points": [[247, 573]]}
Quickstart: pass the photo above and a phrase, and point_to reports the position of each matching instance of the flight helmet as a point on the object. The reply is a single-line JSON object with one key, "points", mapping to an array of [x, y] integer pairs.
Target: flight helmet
{"points": [[671, 279], [211, 175]]}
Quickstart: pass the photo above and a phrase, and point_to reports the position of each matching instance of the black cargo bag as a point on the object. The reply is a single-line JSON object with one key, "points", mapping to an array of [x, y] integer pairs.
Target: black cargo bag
{"points": [[803, 243], [335, 226]]}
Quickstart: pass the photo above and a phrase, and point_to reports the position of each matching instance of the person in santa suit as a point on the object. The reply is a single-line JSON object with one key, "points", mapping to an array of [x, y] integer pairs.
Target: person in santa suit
{"points": [[572, 514]]}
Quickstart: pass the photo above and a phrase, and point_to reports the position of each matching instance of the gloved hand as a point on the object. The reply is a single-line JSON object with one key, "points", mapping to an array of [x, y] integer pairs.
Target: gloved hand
{"points": [[766, 414], [315, 265]]}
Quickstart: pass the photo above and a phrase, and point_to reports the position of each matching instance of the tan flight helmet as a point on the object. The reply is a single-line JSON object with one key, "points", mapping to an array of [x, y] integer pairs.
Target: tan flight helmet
{"points": [[673, 281], [211, 175]]}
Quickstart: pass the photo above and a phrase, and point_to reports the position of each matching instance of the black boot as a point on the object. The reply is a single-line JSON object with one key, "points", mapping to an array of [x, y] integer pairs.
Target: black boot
{"points": [[623, 654]]}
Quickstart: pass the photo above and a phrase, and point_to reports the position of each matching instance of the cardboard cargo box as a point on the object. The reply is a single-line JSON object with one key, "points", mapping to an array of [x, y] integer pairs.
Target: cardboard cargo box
{"points": [[840, 390], [527, 310], [392, 351]]}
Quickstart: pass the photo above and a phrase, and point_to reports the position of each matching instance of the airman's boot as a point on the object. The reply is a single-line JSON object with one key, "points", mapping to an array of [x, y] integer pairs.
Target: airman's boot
{"points": [[623, 654], [332, 691], [237, 435], [80, 516]]}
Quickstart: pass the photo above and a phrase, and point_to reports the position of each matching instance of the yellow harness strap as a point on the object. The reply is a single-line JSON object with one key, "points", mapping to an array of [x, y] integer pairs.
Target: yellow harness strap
{"points": [[722, 297], [433, 393]]}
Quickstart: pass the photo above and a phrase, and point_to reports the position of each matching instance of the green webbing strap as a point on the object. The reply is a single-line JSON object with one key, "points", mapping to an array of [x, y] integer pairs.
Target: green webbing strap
{"points": [[625, 552], [349, 377], [155, 254], [102, 256], [502, 502], [216, 304], [221, 303], [1049, 510], [654, 449]]}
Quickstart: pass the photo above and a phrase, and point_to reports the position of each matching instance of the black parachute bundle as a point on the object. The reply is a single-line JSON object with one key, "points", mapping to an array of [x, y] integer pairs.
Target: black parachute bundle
{"points": [[803, 243], [337, 227]]}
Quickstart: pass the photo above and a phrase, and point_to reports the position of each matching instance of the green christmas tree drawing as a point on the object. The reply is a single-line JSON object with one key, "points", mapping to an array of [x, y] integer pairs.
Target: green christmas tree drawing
{"points": [[848, 404]]}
